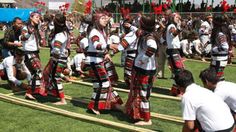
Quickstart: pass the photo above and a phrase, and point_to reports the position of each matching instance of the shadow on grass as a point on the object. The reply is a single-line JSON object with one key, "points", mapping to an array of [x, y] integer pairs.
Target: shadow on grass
{"points": [[5, 86], [80, 102], [46, 99]]}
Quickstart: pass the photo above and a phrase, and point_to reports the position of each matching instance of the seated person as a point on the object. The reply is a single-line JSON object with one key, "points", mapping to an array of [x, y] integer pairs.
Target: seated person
{"points": [[14, 69]]}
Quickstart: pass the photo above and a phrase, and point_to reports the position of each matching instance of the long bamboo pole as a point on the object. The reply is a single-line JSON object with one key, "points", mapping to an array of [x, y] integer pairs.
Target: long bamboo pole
{"points": [[127, 91], [153, 114], [70, 114]]}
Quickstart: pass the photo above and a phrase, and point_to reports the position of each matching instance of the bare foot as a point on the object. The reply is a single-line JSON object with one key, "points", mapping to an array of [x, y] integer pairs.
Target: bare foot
{"points": [[203, 59], [60, 103], [95, 111], [143, 123], [29, 96]]}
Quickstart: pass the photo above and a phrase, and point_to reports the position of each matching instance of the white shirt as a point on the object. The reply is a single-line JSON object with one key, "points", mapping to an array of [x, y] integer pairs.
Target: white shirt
{"points": [[130, 40], [102, 41], [77, 60], [210, 110], [30, 44], [84, 43], [62, 39], [205, 28], [227, 91], [8, 64], [114, 39], [144, 61], [172, 41]]}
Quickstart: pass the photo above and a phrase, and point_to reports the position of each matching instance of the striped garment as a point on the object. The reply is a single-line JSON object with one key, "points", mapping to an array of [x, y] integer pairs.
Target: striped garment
{"points": [[138, 104], [52, 76], [144, 69], [111, 71], [176, 65], [129, 62], [219, 54], [103, 97], [33, 63]]}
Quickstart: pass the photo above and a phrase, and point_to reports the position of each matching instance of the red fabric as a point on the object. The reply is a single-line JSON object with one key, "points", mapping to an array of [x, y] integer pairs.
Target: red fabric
{"points": [[2, 73], [61, 95], [104, 105], [95, 38], [29, 91], [124, 43], [224, 5], [133, 104], [88, 7], [158, 9]]}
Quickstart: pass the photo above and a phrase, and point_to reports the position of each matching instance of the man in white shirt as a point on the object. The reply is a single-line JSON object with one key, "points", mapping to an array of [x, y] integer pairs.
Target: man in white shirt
{"points": [[225, 90], [202, 105], [14, 69]]}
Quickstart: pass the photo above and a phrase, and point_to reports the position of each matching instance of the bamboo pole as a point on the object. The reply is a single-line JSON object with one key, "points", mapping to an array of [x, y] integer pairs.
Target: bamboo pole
{"points": [[70, 114], [194, 60], [127, 91], [153, 114]]}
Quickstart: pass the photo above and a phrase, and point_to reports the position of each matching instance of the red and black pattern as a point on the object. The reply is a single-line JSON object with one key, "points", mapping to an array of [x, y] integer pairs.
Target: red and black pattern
{"points": [[95, 38], [150, 51], [52, 77], [34, 65], [104, 98], [111, 70], [138, 105], [129, 62], [219, 70], [101, 71], [57, 44], [124, 43], [176, 64]]}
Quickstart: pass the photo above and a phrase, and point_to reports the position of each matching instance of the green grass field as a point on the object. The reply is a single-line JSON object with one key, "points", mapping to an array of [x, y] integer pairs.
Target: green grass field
{"points": [[22, 119]]}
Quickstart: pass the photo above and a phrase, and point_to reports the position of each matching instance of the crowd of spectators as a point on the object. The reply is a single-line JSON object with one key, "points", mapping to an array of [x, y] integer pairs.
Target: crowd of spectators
{"points": [[180, 7]]}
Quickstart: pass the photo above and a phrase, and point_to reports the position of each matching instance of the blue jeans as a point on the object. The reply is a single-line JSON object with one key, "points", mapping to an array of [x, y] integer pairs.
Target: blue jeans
{"points": [[6, 53]]}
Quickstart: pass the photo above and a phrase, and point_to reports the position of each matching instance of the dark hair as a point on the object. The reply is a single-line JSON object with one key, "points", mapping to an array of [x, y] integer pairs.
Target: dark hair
{"points": [[147, 23], [220, 25], [18, 52], [15, 19], [210, 75], [60, 24], [184, 78]]}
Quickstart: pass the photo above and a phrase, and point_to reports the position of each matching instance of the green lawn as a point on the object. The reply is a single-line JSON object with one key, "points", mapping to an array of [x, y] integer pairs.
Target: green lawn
{"points": [[19, 118]]}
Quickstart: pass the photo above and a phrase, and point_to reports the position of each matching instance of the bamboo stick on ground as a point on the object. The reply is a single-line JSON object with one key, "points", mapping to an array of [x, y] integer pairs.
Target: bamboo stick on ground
{"points": [[156, 115], [127, 91], [70, 114]]}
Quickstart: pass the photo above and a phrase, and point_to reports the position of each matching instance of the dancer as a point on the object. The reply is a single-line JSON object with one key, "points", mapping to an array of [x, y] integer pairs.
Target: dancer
{"points": [[143, 74], [103, 97], [31, 40]]}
